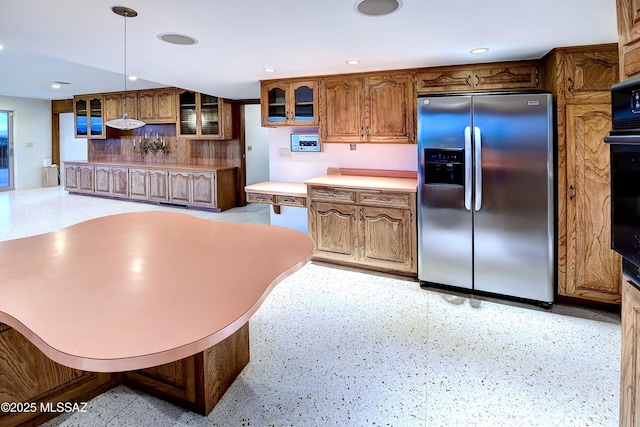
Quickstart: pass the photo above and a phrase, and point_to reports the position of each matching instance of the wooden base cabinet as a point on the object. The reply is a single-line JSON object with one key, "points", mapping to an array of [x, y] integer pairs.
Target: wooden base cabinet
{"points": [[31, 378], [366, 228], [629, 374], [191, 186]]}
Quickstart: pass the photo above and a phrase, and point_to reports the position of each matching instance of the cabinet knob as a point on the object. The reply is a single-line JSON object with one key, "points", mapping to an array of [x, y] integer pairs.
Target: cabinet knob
{"points": [[572, 189], [572, 84]]}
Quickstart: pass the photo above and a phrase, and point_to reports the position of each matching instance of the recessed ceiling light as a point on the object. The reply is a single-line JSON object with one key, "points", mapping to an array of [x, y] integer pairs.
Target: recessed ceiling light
{"points": [[353, 61], [269, 70], [1, 47], [479, 50], [133, 78], [180, 39], [55, 86], [377, 7]]}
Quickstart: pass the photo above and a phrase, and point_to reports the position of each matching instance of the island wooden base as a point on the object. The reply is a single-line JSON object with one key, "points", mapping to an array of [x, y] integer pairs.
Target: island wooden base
{"points": [[197, 382], [28, 377]]}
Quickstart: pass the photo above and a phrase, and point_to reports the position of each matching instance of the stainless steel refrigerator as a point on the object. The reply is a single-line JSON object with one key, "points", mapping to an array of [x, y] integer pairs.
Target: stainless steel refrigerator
{"points": [[486, 194]]}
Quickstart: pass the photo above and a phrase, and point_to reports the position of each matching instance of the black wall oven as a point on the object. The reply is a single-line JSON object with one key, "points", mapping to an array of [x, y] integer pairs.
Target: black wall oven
{"points": [[624, 141]]}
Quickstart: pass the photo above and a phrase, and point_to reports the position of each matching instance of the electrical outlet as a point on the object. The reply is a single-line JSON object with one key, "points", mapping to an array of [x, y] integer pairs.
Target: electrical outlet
{"points": [[352, 147], [29, 144], [284, 152]]}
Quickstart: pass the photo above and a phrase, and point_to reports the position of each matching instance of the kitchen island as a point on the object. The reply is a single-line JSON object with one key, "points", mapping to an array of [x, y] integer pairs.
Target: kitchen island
{"points": [[157, 300]]}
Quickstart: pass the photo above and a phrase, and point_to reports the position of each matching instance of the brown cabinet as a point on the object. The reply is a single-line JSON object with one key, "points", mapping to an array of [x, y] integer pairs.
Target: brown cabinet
{"points": [[31, 378], [112, 181], [629, 373], [157, 106], [117, 103], [629, 38], [289, 103], [192, 188], [89, 116], [203, 116], [593, 269], [371, 108], [580, 80], [149, 184], [184, 185], [523, 75], [588, 75], [366, 228]]}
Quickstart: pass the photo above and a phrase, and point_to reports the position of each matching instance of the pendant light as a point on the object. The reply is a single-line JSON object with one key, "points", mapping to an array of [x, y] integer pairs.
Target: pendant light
{"points": [[125, 123]]}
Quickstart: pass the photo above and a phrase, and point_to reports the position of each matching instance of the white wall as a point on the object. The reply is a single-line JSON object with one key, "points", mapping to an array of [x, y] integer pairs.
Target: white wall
{"points": [[256, 146], [71, 148], [302, 166], [31, 138]]}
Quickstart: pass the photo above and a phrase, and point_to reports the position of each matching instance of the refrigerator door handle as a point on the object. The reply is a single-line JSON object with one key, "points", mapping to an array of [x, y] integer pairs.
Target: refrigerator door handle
{"points": [[467, 168], [477, 164]]}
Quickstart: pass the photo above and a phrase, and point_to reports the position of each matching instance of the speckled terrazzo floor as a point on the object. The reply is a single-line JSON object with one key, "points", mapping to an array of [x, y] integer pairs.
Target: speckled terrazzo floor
{"points": [[336, 346]]}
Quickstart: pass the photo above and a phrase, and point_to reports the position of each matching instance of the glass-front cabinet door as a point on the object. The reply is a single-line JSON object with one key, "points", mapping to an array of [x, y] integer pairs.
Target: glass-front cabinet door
{"points": [[188, 121], [289, 103], [89, 116], [202, 116], [209, 114]]}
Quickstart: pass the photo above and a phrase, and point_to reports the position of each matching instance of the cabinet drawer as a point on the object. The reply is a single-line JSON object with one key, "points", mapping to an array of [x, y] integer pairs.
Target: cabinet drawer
{"points": [[391, 200], [291, 201], [260, 198], [328, 194]]}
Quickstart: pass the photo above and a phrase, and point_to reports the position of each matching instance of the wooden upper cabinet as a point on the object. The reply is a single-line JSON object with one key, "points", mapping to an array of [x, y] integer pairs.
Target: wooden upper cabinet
{"points": [[522, 75], [390, 109], [373, 108], [289, 103], [89, 116], [629, 38], [589, 74], [157, 105], [203, 116], [342, 110], [117, 103]]}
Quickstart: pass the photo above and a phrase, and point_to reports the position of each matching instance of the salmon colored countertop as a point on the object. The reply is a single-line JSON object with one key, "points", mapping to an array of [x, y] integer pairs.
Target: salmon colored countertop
{"points": [[136, 290], [408, 185], [279, 188]]}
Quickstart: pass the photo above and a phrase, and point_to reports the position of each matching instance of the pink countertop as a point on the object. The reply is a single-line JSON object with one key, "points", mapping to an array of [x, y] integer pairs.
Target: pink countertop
{"points": [[136, 290], [281, 188], [366, 182]]}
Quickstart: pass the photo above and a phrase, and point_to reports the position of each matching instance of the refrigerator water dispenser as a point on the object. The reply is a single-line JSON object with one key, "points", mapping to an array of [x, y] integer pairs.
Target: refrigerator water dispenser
{"points": [[444, 166]]}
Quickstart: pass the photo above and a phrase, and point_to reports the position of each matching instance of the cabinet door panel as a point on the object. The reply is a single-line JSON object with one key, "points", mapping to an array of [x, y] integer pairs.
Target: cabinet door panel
{"points": [[390, 113], [158, 188], [503, 78], [139, 184], [590, 75], [333, 229], [386, 238], [444, 81], [180, 191], [119, 182], [342, 110], [86, 179], [71, 178], [202, 186], [593, 269], [103, 185]]}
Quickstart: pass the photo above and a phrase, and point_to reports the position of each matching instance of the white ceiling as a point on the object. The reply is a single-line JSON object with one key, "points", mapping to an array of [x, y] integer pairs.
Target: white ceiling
{"points": [[81, 42]]}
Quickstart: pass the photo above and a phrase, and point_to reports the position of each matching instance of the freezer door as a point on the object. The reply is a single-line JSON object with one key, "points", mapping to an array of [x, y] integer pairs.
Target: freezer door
{"points": [[513, 199], [444, 223]]}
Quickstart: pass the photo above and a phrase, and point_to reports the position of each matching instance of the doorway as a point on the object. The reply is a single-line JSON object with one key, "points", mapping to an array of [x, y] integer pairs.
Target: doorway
{"points": [[6, 150]]}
